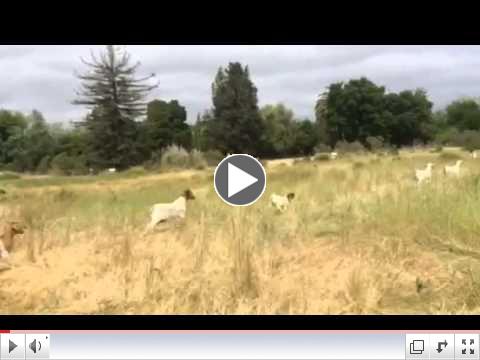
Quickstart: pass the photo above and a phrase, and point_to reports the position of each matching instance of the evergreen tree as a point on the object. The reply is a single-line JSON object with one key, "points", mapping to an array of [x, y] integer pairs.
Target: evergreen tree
{"points": [[236, 125], [116, 98]]}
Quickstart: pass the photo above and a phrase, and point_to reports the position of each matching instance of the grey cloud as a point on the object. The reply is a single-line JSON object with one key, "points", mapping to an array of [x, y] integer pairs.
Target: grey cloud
{"points": [[42, 77]]}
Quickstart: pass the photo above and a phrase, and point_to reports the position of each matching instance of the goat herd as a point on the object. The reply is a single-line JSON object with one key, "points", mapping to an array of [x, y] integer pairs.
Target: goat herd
{"points": [[176, 210], [423, 175]]}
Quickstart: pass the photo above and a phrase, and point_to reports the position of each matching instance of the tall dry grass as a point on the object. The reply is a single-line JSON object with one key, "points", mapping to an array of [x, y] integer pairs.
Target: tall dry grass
{"points": [[360, 237]]}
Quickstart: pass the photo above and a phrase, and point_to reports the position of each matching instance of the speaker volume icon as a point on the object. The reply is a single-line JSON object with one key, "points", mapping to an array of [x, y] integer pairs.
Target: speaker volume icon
{"points": [[35, 346]]}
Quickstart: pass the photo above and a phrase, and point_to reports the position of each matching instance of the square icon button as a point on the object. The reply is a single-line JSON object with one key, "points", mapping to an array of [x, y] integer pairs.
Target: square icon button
{"points": [[417, 346], [466, 346], [442, 346], [37, 346], [13, 346]]}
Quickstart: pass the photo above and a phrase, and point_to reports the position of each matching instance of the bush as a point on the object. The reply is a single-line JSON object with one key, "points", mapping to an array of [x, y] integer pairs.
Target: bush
{"points": [[197, 160], [213, 157], [135, 171], [437, 149], [418, 143], [468, 140], [349, 147], [375, 143], [44, 165], [175, 157], [322, 148], [449, 156], [321, 157], [64, 164]]}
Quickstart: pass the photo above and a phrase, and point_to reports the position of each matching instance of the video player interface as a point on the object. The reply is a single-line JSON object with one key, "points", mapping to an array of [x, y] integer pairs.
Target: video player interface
{"points": [[236, 345]]}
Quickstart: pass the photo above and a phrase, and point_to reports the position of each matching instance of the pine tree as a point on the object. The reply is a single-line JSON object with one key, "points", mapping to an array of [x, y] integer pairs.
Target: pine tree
{"points": [[236, 126], [116, 98]]}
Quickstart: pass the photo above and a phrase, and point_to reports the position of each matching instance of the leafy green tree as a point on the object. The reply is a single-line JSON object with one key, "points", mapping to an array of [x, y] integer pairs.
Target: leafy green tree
{"points": [[355, 110], [38, 140], [278, 128], [166, 125], [201, 139], [409, 117], [236, 126], [116, 99], [464, 114], [12, 126], [360, 109], [306, 138]]}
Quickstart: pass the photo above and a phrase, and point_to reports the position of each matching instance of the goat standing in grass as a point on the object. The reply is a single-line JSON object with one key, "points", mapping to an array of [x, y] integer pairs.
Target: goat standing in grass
{"points": [[175, 210], [281, 202], [424, 175], [453, 170]]}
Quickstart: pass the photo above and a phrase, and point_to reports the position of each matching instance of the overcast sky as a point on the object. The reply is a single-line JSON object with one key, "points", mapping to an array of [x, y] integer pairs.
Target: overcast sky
{"points": [[42, 77]]}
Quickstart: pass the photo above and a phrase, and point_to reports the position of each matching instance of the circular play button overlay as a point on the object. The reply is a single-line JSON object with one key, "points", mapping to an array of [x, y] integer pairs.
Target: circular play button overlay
{"points": [[240, 180]]}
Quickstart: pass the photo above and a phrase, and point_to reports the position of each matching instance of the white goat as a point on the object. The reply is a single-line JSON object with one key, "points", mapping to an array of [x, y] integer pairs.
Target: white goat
{"points": [[453, 170], [424, 175], [281, 202], [333, 155], [474, 154], [175, 210], [112, 170]]}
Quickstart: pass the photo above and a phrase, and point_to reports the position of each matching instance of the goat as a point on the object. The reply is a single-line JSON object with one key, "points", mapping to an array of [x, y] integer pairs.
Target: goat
{"points": [[474, 154], [425, 174], [333, 155], [281, 202], [7, 237], [175, 210], [453, 170]]}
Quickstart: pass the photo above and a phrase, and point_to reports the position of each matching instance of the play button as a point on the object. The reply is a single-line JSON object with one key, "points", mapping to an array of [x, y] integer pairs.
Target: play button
{"points": [[11, 346], [239, 180]]}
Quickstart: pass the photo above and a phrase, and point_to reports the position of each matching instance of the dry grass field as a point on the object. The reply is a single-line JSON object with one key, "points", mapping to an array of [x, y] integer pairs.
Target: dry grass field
{"points": [[359, 238]]}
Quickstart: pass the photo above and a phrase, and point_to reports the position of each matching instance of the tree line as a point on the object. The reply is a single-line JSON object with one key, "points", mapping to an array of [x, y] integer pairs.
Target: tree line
{"points": [[122, 129]]}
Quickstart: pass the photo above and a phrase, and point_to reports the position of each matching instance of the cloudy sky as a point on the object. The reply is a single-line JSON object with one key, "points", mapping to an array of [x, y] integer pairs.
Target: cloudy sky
{"points": [[42, 77]]}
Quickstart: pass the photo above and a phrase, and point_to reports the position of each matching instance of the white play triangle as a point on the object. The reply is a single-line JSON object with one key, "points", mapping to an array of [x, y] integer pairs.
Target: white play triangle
{"points": [[238, 180]]}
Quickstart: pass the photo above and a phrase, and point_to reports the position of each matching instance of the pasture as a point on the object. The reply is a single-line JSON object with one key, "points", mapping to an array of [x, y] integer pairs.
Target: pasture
{"points": [[359, 238]]}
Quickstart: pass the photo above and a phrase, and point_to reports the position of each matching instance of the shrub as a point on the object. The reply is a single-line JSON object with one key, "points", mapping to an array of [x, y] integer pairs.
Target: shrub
{"points": [[44, 165], [64, 164], [391, 150], [321, 157], [135, 171], [175, 157], [197, 160], [449, 156], [469, 140], [437, 149], [418, 143], [375, 143], [79, 165], [322, 148], [349, 147], [213, 157]]}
